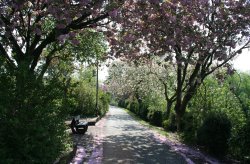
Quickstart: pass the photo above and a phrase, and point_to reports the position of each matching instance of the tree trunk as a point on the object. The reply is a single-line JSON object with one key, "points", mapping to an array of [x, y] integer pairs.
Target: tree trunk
{"points": [[178, 112], [178, 122], [25, 84], [168, 108], [181, 105]]}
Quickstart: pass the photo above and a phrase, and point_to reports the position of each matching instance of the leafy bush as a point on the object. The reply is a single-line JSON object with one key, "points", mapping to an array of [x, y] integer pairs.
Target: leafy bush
{"points": [[113, 100], [83, 100], [32, 124], [245, 140], [155, 117], [170, 124], [215, 97], [190, 124], [240, 144], [134, 106], [215, 133], [121, 103], [143, 110], [103, 105]]}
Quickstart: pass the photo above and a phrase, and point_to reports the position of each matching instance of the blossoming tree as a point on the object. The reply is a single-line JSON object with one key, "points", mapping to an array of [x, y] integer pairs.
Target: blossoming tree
{"points": [[30, 27], [197, 37]]}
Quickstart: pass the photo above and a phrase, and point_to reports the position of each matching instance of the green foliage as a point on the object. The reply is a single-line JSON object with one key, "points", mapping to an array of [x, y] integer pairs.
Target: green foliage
{"points": [[245, 139], [143, 109], [35, 102], [134, 106], [33, 109], [239, 85], [103, 105], [32, 124], [155, 117], [121, 103], [190, 125], [83, 98], [94, 49], [214, 133], [113, 100], [240, 144], [214, 97], [170, 124], [155, 114], [148, 108], [156, 106]]}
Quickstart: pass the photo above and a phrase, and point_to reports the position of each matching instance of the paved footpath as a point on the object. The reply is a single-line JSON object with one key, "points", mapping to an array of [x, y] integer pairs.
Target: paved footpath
{"points": [[127, 141], [118, 138]]}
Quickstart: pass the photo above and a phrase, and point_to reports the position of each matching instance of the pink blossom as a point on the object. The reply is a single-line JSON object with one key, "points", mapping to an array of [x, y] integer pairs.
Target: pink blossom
{"points": [[68, 20], [113, 13], [128, 38], [75, 42], [84, 2], [62, 38], [51, 10], [172, 18], [154, 1], [38, 31], [72, 34], [113, 41], [170, 42], [60, 26]]}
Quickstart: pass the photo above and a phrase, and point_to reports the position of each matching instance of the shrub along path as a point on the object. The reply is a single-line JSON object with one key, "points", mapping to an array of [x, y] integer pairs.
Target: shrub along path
{"points": [[118, 138]]}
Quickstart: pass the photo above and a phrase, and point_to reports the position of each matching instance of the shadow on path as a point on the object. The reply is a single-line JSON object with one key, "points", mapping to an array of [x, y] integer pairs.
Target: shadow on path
{"points": [[127, 141]]}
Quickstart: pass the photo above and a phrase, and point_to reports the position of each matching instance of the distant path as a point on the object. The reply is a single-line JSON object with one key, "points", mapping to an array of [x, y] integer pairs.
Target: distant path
{"points": [[127, 141]]}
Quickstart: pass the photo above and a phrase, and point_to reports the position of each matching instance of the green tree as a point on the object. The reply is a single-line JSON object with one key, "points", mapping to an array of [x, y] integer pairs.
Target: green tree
{"points": [[35, 108]]}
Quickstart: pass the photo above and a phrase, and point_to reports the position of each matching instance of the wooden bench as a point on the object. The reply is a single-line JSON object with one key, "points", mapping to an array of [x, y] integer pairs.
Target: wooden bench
{"points": [[78, 127]]}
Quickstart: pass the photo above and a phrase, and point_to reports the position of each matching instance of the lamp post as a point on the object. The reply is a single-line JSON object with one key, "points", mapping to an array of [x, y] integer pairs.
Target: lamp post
{"points": [[97, 88]]}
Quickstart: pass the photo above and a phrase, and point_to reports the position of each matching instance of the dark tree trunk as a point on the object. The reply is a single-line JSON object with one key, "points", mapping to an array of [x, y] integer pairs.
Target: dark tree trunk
{"points": [[168, 108], [25, 81], [181, 106], [178, 122], [178, 104]]}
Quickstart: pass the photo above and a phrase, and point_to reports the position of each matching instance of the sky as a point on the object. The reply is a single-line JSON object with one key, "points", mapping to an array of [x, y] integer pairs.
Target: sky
{"points": [[240, 63], [103, 73]]}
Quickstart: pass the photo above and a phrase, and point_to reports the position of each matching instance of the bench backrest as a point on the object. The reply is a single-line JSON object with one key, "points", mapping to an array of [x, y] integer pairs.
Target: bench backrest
{"points": [[77, 117]]}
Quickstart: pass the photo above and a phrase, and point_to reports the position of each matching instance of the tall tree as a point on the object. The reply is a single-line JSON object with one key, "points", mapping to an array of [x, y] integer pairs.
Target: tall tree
{"points": [[197, 37], [33, 34], [30, 27]]}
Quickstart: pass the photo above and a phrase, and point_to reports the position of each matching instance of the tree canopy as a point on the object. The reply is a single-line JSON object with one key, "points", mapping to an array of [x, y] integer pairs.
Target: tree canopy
{"points": [[197, 37], [30, 27]]}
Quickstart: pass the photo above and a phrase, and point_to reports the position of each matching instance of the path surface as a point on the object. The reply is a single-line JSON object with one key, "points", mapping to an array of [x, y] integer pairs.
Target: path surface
{"points": [[118, 138], [127, 141]]}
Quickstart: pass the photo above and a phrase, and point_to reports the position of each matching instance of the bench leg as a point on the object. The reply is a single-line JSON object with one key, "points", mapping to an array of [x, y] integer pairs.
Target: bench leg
{"points": [[82, 130], [73, 129]]}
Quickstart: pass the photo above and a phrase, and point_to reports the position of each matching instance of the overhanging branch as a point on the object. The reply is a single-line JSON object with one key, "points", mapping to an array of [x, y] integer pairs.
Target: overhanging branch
{"points": [[6, 56]]}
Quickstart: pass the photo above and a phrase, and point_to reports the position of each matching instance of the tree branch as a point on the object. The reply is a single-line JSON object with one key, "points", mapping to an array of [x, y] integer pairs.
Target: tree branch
{"points": [[228, 59], [16, 47], [6, 56], [49, 58], [91, 21]]}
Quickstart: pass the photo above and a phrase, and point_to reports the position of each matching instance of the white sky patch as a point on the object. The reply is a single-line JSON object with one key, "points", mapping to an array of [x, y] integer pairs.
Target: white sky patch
{"points": [[242, 61], [103, 73]]}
